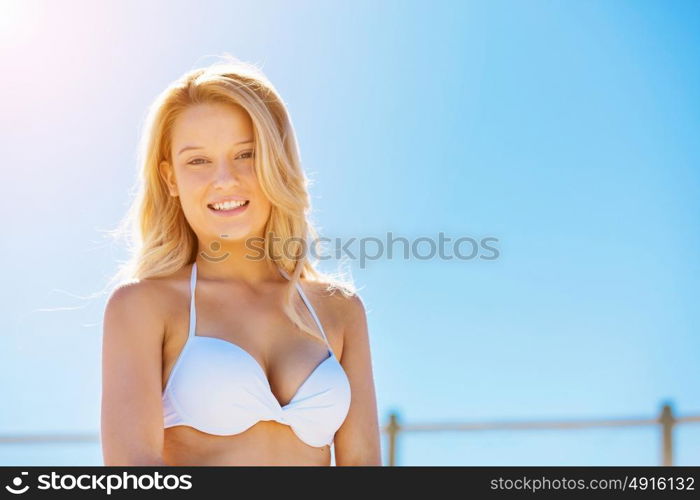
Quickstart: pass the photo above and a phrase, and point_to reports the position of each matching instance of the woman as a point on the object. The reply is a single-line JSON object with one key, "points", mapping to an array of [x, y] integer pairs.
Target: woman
{"points": [[226, 346]]}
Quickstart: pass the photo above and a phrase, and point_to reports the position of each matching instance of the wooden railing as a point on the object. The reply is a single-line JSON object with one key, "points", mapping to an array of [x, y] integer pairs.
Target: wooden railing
{"points": [[666, 421]]}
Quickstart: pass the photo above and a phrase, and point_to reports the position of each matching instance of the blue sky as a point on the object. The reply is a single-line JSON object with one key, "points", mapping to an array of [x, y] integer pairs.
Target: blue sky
{"points": [[567, 130]]}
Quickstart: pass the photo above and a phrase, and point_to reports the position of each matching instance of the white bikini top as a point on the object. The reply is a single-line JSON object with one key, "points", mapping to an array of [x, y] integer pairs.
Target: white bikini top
{"points": [[219, 388]]}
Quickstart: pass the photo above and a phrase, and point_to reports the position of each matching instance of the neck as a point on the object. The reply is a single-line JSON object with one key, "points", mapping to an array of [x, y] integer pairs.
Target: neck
{"points": [[232, 260]]}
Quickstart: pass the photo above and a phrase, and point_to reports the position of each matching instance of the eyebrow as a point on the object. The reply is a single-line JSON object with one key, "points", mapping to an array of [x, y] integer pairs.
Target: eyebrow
{"points": [[187, 148]]}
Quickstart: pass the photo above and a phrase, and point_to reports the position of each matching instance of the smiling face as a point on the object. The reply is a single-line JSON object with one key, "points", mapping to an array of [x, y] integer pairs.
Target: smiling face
{"points": [[213, 171]]}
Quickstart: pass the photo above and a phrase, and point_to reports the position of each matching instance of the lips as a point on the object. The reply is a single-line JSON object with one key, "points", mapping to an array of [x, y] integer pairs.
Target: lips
{"points": [[232, 211], [224, 199], [211, 205]]}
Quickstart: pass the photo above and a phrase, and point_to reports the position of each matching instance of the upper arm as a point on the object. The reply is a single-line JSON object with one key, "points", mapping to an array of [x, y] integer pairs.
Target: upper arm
{"points": [[357, 442], [131, 413]]}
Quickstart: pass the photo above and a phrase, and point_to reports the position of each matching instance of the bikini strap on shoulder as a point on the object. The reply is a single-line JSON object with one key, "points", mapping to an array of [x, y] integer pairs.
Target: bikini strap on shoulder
{"points": [[193, 310], [315, 316], [310, 308]]}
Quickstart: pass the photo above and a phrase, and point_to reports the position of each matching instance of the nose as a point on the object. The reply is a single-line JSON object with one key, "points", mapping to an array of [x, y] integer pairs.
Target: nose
{"points": [[225, 175]]}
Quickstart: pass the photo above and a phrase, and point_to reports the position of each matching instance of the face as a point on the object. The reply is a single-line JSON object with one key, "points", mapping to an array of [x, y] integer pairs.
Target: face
{"points": [[212, 171]]}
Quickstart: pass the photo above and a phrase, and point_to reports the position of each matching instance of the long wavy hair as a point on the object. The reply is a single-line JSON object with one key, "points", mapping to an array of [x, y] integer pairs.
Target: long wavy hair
{"points": [[159, 238]]}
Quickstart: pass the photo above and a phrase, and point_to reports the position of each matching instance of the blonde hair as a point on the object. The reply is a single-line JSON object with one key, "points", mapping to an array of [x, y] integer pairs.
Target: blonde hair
{"points": [[159, 238]]}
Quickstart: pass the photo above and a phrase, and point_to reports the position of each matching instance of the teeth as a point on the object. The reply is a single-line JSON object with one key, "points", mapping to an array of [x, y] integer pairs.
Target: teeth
{"points": [[228, 205]]}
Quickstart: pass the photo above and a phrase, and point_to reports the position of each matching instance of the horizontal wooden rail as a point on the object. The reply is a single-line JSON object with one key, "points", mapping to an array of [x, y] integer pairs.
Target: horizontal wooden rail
{"points": [[666, 420]]}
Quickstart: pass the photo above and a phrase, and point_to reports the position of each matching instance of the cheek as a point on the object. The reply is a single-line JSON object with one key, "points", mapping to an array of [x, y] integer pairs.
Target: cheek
{"points": [[264, 209], [264, 206], [260, 197], [192, 192]]}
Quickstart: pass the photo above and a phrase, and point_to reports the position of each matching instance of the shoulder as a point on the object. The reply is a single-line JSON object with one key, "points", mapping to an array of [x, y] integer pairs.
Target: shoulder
{"points": [[353, 330], [148, 296], [136, 309], [355, 314], [128, 300], [347, 310], [135, 296]]}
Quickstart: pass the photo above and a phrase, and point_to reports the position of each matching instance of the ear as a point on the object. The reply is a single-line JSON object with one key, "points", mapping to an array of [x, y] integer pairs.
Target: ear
{"points": [[165, 170]]}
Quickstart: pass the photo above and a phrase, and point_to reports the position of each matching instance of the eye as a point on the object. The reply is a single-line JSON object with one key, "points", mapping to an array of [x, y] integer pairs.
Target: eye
{"points": [[250, 154]]}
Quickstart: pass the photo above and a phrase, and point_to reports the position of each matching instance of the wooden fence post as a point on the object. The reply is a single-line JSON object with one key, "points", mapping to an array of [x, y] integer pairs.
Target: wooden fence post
{"points": [[667, 422], [393, 431]]}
